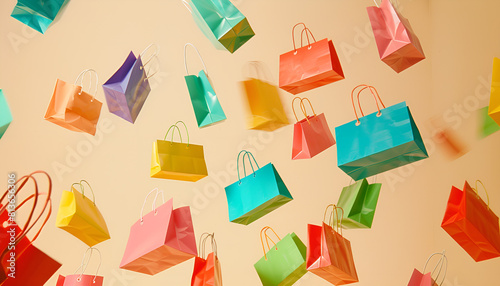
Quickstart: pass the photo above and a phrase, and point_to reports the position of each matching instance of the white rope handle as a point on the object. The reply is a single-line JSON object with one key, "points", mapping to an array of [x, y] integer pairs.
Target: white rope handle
{"points": [[153, 56], [81, 77], [84, 265], [187, 6], [154, 201], [185, 60], [442, 261]]}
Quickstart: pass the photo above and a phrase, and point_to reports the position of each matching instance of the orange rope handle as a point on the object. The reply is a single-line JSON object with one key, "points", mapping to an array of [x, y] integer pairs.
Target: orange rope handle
{"points": [[293, 35], [264, 230], [372, 89], [307, 36]]}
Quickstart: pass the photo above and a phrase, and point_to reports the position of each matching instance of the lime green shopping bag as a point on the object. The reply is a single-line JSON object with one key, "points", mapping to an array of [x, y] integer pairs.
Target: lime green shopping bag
{"points": [[487, 125], [359, 202]]}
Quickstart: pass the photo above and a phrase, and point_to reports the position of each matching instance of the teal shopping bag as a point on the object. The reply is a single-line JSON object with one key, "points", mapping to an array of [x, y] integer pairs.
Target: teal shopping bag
{"points": [[378, 142], [221, 22], [38, 14], [359, 202], [5, 115], [257, 194], [284, 263], [206, 105]]}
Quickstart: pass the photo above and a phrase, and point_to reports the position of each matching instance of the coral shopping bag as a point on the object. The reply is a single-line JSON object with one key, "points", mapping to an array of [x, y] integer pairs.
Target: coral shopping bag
{"points": [[207, 271], [329, 254], [257, 194], [37, 14], [494, 107], [72, 108], [397, 43], [284, 263], [311, 135], [206, 105], [178, 161], [265, 110], [359, 202], [127, 90], [80, 216], [21, 262], [83, 279], [309, 67], [380, 141], [472, 224], [5, 114], [421, 279], [160, 239]]}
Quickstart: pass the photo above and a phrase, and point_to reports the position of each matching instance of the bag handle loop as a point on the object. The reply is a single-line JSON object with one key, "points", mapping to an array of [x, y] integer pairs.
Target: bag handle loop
{"points": [[179, 131], [267, 238], [199, 55], [375, 95], [203, 240], [158, 192], [186, 4], [83, 265], [247, 153], [308, 32], [154, 55], [83, 189], [81, 77], [302, 107], [484, 188], [443, 261], [335, 220]]}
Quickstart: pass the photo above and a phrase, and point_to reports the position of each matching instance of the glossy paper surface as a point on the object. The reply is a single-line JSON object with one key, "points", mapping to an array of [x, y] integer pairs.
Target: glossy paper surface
{"points": [[38, 14], [80, 280], [359, 202], [309, 68], [79, 216], [419, 279], [487, 124], [494, 107], [311, 136], [379, 143], [5, 114], [398, 45], [207, 272]]}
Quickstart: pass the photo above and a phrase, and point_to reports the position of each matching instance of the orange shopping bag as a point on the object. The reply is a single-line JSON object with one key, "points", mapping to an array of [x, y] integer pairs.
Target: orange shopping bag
{"points": [[73, 108], [207, 271]]}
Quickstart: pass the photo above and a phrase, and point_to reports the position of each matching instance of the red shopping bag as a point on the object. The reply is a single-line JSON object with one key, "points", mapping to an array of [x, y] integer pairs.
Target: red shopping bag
{"points": [[207, 271], [329, 254], [397, 43], [421, 279], [472, 224], [83, 279], [22, 262], [160, 239], [309, 67], [311, 135]]}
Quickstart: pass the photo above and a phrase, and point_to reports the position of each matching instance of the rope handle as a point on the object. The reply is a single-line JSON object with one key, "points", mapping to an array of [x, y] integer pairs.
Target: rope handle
{"points": [[308, 32], [301, 34], [443, 261], [334, 217], [484, 188], [247, 153], [267, 238], [179, 131], [83, 189], [81, 77], [303, 108], [199, 55], [83, 265], [186, 4], [154, 202], [375, 95], [203, 240], [154, 55]]}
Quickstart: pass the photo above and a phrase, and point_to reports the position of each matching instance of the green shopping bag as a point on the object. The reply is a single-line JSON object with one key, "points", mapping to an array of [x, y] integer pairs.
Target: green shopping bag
{"points": [[38, 14], [359, 201], [5, 115], [221, 22], [284, 263], [487, 125]]}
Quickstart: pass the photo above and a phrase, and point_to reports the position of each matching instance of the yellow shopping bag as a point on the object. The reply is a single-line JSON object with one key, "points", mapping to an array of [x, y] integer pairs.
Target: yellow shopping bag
{"points": [[178, 161], [265, 109], [80, 216], [494, 109]]}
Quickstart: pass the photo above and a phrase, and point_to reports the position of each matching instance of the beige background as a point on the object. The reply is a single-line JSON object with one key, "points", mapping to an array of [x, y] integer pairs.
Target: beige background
{"points": [[459, 37]]}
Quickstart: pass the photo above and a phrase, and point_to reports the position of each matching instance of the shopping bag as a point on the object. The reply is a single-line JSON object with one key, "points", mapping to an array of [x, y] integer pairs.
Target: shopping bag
{"points": [[178, 161], [206, 105], [494, 107], [5, 114], [207, 271], [284, 263], [37, 14], [397, 43], [80, 216], [359, 202], [221, 22], [329, 254], [160, 239], [380, 141], [472, 224], [127, 90], [257, 194], [311, 135], [420, 279], [83, 279], [309, 67], [73, 108], [23, 263], [265, 110], [487, 124]]}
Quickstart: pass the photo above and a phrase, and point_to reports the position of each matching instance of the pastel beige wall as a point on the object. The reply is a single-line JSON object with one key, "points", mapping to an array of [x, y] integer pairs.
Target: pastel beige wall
{"points": [[459, 38]]}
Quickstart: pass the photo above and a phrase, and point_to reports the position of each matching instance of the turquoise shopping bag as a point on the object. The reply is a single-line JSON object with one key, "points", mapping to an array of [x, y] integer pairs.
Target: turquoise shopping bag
{"points": [[257, 194], [38, 14], [359, 201], [378, 142], [5, 115], [206, 105]]}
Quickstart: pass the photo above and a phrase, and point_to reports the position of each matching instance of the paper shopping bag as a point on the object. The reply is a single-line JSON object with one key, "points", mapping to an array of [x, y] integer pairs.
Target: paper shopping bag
{"points": [[257, 194], [265, 110], [80, 279], [359, 202], [127, 90], [221, 22], [487, 125], [80, 216], [420, 279], [472, 224], [5, 114], [379, 141], [311, 135], [207, 270], [397, 43], [309, 67], [72, 108], [178, 161], [284, 263], [494, 107], [160, 239], [37, 14]]}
